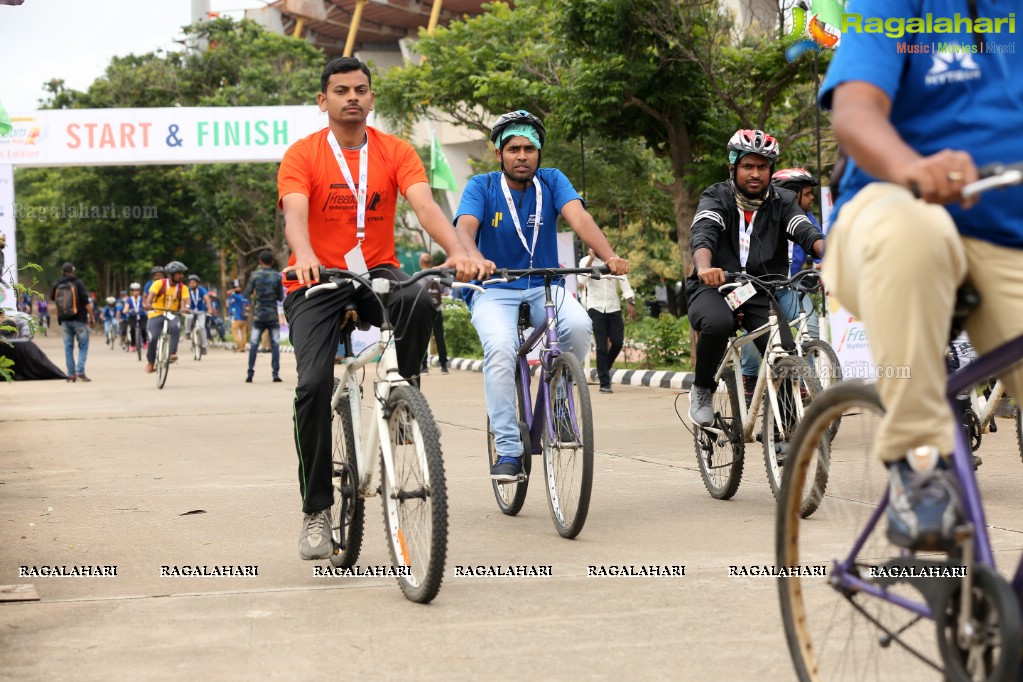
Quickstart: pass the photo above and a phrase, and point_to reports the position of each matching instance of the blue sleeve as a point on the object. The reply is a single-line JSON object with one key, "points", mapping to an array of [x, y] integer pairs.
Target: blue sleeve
{"points": [[474, 199], [561, 188], [870, 57]]}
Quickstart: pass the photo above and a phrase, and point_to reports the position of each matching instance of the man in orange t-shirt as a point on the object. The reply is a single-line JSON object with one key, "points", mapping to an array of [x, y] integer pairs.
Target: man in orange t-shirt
{"points": [[338, 189]]}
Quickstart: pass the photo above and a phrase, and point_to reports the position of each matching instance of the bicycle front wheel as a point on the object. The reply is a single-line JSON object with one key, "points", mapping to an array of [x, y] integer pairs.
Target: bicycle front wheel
{"points": [[568, 445], [834, 632], [827, 369], [511, 495], [347, 514], [721, 456], [162, 359], [793, 384], [138, 342], [416, 504], [196, 343]]}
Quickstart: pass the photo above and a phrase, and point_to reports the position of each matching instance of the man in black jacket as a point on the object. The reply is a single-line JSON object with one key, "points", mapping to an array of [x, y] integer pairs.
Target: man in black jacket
{"points": [[74, 314], [743, 224]]}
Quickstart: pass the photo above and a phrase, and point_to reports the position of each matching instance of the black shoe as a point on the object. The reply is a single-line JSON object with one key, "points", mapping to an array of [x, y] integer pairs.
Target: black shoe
{"points": [[443, 369], [606, 389], [82, 377], [506, 469], [248, 379], [278, 380]]}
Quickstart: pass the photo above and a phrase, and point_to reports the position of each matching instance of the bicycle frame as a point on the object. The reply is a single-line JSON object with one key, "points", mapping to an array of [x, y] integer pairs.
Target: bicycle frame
{"points": [[990, 364], [548, 332]]}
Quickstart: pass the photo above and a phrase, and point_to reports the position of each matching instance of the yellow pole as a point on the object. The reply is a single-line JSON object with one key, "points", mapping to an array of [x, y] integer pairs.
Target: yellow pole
{"points": [[354, 28], [434, 16], [299, 25]]}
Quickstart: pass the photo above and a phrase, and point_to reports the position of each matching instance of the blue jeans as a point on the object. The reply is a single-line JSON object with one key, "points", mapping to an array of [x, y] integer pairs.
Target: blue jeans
{"points": [[790, 303], [275, 344], [72, 330], [495, 315]]}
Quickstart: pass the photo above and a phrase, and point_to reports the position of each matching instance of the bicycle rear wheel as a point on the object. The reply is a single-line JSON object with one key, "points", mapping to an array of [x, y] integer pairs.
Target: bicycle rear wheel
{"points": [[416, 506], [835, 633], [568, 446], [511, 495], [721, 456], [162, 359], [348, 513], [795, 386], [138, 341]]}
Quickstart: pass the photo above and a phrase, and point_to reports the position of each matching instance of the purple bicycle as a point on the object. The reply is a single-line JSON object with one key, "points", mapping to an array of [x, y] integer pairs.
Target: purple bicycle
{"points": [[558, 423], [857, 607]]}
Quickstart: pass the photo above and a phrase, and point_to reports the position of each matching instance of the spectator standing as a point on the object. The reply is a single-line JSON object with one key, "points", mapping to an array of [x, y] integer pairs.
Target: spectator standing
{"points": [[236, 309], [74, 314], [604, 306], [265, 290]]}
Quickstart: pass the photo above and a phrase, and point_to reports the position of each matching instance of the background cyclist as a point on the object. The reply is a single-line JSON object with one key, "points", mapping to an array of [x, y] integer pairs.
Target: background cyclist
{"points": [[166, 295], [133, 309], [199, 306], [519, 207], [742, 224]]}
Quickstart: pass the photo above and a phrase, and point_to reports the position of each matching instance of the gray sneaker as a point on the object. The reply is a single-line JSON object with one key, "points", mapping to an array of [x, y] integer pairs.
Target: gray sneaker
{"points": [[701, 405], [924, 502], [315, 542]]}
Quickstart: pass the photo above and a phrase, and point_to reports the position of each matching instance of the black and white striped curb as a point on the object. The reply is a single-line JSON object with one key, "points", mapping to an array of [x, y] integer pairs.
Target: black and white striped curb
{"points": [[623, 377]]}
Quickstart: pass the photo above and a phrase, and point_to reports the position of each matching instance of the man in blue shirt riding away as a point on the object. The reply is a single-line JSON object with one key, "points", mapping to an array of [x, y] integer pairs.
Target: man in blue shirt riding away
{"points": [[511, 218], [925, 121]]}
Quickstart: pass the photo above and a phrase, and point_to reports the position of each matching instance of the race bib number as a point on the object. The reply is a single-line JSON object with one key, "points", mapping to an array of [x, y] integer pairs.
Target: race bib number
{"points": [[736, 297]]}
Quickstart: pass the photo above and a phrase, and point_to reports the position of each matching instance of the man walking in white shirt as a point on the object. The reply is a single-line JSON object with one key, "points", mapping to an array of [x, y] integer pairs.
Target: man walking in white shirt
{"points": [[602, 302]]}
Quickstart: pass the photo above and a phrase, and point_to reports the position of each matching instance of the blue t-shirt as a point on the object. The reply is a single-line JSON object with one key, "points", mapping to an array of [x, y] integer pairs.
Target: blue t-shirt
{"points": [[197, 299], [236, 306], [799, 256], [145, 287], [497, 238], [943, 99]]}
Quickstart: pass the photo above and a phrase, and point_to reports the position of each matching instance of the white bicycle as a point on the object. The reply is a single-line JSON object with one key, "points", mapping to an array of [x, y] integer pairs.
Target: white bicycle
{"points": [[403, 432]]}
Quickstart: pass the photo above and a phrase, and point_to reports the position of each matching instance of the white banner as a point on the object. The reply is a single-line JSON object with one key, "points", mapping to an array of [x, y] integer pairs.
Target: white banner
{"points": [[170, 135], [848, 335], [10, 252]]}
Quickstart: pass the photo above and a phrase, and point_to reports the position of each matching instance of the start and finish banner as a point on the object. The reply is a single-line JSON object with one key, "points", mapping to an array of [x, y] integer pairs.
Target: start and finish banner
{"points": [[172, 135]]}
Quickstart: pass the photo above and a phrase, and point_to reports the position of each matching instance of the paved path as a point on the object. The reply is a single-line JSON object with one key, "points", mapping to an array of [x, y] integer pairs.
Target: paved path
{"points": [[104, 474]]}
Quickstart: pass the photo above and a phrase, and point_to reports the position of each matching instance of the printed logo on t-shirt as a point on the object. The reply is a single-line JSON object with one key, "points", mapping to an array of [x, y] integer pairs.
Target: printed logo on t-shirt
{"points": [[497, 219], [952, 67], [340, 198]]}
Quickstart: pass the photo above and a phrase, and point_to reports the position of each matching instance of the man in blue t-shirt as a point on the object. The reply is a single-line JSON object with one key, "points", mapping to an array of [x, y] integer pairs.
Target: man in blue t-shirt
{"points": [[236, 309], [511, 218], [914, 114]]}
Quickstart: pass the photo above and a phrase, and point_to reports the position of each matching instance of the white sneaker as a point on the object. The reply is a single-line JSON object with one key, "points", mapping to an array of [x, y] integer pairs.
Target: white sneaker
{"points": [[701, 406], [315, 542]]}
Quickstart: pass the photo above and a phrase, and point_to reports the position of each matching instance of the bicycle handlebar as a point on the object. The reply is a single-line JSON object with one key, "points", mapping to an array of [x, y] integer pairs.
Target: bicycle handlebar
{"points": [[507, 275], [992, 176]]}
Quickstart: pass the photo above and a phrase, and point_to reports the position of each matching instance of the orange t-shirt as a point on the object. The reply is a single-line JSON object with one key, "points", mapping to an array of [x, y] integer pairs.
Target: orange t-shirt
{"points": [[309, 167]]}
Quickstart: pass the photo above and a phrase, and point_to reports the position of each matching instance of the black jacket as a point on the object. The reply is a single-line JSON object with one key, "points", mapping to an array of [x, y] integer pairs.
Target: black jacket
{"points": [[716, 227]]}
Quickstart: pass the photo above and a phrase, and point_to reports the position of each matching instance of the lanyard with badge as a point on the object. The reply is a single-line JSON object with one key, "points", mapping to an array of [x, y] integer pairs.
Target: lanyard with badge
{"points": [[740, 295], [515, 215], [354, 259], [194, 295]]}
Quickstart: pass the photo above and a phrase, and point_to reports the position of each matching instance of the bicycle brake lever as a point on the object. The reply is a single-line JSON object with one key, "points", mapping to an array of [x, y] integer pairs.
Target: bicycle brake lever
{"points": [[495, 280], [467, 285], [321, 288]]}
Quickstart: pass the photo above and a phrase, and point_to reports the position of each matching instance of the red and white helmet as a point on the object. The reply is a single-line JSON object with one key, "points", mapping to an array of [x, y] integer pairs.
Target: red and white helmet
{"points": [[747, 141], [794, 178]]}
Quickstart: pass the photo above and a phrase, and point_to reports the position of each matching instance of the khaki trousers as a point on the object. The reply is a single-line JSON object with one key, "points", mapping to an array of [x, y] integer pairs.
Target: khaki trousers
{"points": [[896, 262]]}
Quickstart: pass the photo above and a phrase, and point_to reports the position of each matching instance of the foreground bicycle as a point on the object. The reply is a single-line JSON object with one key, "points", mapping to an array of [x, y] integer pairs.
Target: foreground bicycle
{"points": [[785, 384], [558, 424], [874, 615], [403, 434]]}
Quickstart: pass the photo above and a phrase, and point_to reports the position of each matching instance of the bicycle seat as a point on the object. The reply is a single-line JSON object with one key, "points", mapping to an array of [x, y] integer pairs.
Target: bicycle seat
{"points": [[967, 300]]}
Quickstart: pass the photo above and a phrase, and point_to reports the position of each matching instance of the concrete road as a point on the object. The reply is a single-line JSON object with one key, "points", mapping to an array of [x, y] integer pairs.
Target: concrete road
{"points": [[105, 473]]}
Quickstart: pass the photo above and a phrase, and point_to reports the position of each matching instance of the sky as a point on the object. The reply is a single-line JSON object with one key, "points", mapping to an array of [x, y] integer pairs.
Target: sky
{"points": [[75, 39]]}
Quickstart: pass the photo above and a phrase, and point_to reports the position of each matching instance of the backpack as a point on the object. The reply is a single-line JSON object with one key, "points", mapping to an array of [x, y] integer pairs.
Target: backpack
{"points": [[66, 298]]}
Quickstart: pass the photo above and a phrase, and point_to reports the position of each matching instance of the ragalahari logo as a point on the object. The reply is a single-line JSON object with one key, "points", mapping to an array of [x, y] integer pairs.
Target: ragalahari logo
{"points": [[817, 33]]}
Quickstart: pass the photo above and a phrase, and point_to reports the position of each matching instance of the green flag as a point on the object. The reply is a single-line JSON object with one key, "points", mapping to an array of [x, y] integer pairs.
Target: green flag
{"points": [[5, 121], [441, 176], [829, 11]]}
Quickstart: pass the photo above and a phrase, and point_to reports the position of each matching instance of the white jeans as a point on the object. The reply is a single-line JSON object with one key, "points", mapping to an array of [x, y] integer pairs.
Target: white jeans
{"points": [[495, 314]]}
